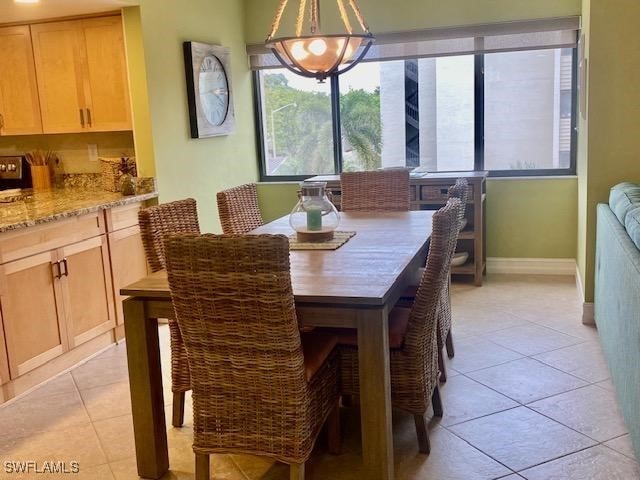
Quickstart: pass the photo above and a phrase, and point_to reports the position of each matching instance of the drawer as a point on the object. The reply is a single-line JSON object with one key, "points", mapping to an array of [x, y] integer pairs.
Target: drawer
{"points": [[48, 236], [125, 216], [439, 193]]}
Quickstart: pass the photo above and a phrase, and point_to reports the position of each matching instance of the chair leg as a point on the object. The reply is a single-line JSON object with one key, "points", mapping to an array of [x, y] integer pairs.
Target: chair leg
{"points": [[423, 435], [334, 435], [449, 345], [178, 409], [202, 466], [296, 471], [441, 366], [436, 401]]}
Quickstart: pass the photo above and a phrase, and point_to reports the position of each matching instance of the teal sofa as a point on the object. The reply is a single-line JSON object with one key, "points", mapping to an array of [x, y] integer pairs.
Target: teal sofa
{"points": [[617, 298]]}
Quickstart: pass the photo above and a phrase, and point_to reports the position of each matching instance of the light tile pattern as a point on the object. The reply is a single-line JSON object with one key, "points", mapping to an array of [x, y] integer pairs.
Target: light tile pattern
{"points": [[527, 397]]}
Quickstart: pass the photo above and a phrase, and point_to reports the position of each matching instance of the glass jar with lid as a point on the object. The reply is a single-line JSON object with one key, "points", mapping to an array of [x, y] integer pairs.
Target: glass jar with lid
{"points": [[314, 218]]}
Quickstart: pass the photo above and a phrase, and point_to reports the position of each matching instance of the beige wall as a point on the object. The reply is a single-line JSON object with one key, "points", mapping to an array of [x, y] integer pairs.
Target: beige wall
{"points": [[188, 167], [613, 141]]}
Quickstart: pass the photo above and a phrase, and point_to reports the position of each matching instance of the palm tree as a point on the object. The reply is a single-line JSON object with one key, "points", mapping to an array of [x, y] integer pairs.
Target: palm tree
{"points": [[361, 128]]}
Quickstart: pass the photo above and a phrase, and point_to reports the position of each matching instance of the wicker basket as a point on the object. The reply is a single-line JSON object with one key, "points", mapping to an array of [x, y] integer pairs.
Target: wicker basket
{"points": [[112, 171], [439, 193]]}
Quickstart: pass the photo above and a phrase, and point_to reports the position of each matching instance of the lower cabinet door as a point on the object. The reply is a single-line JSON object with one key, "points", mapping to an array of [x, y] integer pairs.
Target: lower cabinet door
{"points": [[4, 360], [87, 290], [128, 262], [32, 315]]}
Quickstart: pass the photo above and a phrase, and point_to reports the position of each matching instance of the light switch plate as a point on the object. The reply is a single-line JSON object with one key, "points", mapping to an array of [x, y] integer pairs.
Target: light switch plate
{"points": [[93, 152]]}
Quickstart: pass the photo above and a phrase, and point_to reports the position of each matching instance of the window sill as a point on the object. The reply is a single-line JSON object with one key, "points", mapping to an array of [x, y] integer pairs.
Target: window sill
{"points": [[536, 177]]}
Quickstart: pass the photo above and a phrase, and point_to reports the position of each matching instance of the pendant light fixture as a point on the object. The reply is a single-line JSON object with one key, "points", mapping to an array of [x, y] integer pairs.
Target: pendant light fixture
{"points": [[317, 55]]}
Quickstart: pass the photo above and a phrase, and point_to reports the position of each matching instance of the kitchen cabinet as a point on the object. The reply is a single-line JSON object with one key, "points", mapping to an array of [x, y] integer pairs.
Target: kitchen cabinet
{"points": [[128, 262], [32, 312], [106, 79], [59, 290], [4, 361], [82, 75], [19, 105], [87, 292], [128, 259], [56, 290]]}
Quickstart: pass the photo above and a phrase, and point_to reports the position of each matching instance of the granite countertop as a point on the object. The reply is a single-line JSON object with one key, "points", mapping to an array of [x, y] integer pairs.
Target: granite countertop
{"points": [[29, 208]]}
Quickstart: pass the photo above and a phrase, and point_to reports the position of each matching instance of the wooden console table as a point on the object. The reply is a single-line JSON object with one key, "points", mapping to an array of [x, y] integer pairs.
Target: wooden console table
{"points": [[429, 191]]}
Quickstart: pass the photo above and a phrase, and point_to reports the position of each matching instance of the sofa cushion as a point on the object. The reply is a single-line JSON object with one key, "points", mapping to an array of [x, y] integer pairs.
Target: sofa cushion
{"points": [[632, 225], [624, 197]]}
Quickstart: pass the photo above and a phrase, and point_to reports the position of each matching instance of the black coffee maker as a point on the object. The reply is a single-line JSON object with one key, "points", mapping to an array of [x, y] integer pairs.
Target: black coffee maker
{"points": [[14, 173]]}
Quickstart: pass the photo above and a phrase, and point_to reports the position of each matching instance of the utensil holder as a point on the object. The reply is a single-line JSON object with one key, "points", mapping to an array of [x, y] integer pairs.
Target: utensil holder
{"points": [[41, 177]]}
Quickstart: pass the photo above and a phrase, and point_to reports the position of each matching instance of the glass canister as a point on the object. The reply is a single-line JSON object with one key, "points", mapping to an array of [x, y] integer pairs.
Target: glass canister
{"points": [[314, 218]]}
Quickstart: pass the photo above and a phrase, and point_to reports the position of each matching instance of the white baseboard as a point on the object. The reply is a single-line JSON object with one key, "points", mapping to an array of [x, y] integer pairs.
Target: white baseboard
{"points": [[588, 315], [532, 266]]}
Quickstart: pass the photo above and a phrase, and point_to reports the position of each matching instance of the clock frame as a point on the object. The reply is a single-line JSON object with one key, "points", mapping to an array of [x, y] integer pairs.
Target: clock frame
{"points": [[194, 55]]}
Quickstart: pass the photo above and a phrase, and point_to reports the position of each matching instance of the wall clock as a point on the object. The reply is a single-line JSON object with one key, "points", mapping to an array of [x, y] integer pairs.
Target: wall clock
{"points": [[209, 90]]}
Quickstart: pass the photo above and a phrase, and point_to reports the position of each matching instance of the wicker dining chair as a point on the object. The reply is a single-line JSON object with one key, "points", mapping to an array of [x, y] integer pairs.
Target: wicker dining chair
{"points": [[460, 191], [156, 222], [445, 336], [238, 209], [379, 190], [259, 387], [413, 335]]}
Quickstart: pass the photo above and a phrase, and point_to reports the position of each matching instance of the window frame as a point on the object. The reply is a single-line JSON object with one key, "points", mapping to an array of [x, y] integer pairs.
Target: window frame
{"points": [[479, 151]]}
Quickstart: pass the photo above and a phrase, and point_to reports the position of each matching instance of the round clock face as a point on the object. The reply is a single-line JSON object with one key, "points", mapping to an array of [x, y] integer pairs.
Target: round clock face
{"points": [[214, 90]]}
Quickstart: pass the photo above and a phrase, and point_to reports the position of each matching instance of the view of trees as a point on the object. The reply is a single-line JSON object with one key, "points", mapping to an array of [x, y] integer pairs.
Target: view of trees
{"points": [[301, 123]]}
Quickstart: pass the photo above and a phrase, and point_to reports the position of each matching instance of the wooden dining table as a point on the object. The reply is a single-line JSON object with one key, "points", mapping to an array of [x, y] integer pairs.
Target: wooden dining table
{"points": [[354, 286]]}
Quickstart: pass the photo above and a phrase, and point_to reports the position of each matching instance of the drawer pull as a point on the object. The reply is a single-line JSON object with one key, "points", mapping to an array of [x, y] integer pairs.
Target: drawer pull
{"points": [[56, 270], [66, 268]]}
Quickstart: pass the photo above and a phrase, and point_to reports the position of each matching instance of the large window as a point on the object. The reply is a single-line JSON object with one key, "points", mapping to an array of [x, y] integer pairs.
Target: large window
{"points": [[510, 113], [297, 125]]}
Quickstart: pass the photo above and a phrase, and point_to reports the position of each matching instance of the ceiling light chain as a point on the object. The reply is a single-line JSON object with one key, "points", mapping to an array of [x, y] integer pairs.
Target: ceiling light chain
{"points": [[315, 17], [275, 26], [358, 13], [300, 19], [345, 17]]}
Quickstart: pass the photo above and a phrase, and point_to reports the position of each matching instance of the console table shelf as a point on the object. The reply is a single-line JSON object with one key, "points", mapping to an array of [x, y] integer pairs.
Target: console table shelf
{"points": [[430, 192]]}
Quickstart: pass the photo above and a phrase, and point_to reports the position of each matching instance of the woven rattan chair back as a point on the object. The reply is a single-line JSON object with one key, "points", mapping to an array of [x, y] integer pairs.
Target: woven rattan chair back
{"points": [[234, 303], [238, 209], [380, 190], [424, 312], [159, 221], [460, 191], [156, 223]]}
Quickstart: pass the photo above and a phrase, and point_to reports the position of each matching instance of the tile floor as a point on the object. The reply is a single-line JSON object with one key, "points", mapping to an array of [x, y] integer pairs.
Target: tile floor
{"points": [[528, 396]]}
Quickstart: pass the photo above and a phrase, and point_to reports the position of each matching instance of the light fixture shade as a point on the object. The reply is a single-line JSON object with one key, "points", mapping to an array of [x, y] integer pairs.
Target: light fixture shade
{"points": [[320, 56]]}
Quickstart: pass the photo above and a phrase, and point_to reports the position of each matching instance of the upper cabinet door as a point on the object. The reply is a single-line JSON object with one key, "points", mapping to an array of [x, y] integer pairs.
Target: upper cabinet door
{"points": [[58, 58], [19, 106], [106, 81]]}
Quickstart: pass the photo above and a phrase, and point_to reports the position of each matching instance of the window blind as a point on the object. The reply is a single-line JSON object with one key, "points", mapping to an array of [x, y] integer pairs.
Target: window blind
{"points": [[465, 40]]}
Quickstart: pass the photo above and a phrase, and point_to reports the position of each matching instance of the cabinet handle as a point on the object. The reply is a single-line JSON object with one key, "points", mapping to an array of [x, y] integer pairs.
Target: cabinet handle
{"points": [[56, 272], [66, 268], [81, 117], [89, 116], [1, 123]]}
